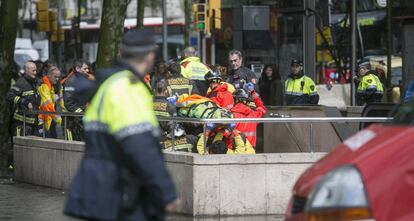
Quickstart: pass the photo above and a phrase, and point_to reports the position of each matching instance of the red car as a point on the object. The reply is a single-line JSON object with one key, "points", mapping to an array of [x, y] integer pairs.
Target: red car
{"points": [[368, 177]]}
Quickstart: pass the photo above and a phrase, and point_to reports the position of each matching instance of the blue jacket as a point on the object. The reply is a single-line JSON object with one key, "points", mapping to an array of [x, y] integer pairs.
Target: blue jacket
{"points": [[122, 175], [409, 92]]}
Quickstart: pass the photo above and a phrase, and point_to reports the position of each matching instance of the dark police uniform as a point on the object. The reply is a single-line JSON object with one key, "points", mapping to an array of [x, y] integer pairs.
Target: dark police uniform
{"points": [[122, 175], [73, 104], [20, 95], [179, 85]]}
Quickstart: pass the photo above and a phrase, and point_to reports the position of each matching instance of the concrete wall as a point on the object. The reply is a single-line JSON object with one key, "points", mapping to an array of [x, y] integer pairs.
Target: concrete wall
{"points": [[207, 185]]}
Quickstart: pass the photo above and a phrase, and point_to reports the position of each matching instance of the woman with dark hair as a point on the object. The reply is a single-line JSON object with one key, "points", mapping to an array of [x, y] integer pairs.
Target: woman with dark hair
{"points": [[270, 86], [160, 73]]}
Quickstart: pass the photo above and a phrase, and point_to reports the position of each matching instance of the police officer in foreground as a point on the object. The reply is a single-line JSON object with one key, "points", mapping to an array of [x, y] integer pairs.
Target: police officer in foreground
{"points": [[122, 175], [299, 88], [24, 96], [370, 89], [192, 68]]}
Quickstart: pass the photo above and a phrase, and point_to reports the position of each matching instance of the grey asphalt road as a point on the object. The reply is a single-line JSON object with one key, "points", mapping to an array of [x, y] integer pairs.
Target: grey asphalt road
{"points": [[21, 202]]}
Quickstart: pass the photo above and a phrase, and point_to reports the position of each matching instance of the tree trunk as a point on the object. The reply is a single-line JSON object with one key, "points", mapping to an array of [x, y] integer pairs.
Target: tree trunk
{"points": [[140, 13], [187, 13], [8, 29], [112, 28]]}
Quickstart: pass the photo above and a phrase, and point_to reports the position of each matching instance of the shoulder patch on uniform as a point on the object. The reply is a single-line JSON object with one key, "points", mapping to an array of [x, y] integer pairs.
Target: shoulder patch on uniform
{"points": [[312, 87], [184, 64], [369, 80]]}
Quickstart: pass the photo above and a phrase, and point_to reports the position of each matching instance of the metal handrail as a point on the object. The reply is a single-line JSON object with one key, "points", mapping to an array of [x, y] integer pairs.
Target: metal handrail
{"points": [[204, 122]]}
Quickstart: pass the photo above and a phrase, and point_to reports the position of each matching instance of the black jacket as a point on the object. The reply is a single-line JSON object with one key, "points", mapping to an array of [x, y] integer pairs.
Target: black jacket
{"points": [[122, 175], [271, 91], [70, 97], [242, 76], [20, 95]]}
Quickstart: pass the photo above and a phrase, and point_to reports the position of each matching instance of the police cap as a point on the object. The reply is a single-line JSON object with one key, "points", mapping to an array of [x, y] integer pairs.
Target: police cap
{"points": [[296, 62], [138, 42]]}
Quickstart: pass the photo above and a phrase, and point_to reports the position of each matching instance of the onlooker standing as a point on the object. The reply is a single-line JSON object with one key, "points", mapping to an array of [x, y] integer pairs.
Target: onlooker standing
{"points": [[23, 96], [409, 92], [160, 73], [49, 101], [270, 86], [238, 74], [193, 69]]}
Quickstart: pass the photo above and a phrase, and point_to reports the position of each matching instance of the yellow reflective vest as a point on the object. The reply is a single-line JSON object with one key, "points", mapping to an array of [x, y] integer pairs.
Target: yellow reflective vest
{"points": [[300, 91], [193, 69], [370, 82]]}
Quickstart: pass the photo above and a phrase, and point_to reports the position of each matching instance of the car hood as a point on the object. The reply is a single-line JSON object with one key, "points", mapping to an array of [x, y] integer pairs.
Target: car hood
{"points": [[356, 150]]}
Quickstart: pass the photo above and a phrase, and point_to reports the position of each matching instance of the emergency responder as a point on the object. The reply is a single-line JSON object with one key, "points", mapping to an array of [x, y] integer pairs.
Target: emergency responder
{"points": [[163, 108], [242, 109], [178, 140], [122, 175], [370, 89], [23, 96], [51, 97], [238, 74], [225, 142], [176, 83], [74, 130], [299, 88], [219, 92], [193, 69]]}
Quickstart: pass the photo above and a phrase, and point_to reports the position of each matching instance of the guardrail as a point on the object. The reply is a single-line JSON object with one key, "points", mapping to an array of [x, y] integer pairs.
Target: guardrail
{"points": [[204, 122]]}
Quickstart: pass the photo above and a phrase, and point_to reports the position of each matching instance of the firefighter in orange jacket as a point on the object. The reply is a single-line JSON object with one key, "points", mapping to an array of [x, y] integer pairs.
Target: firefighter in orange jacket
{"points": [[219, 92], [242, 109], [51, 93]]}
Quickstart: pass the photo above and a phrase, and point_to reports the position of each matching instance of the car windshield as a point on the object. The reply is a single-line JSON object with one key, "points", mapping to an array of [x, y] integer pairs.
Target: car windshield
{"points": [[405, 114]]}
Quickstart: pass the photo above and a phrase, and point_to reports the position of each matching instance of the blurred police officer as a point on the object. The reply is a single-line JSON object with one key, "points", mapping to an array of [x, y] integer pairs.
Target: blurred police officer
{"points": [[299, 88], [122, 175], [370, 89]]}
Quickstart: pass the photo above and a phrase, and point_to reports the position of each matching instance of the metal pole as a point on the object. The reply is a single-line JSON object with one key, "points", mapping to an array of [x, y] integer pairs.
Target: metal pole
{"points": [[389, 49], [213, 48], [24, 124], [173, 136], [353, 48], [205, 138], [309, 36], [65, 127], [204, 44], [310, 138], [164, 31]]}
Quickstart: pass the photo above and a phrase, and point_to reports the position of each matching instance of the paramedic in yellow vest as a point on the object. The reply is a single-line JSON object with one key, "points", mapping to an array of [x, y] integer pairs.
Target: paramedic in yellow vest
{"points": [[299, 88], [225, 142], [370, 89], [193, 69], [122, 175]]}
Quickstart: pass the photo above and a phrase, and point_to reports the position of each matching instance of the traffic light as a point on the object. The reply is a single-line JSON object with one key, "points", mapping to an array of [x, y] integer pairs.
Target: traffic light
{"points": [[42, 15], [200, 14], [215, 14]]}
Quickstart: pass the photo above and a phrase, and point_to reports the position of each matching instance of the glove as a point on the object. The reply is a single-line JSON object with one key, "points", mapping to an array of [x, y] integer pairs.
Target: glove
{"points": [[210, 126], [172, 99], [249, 87], [231, 126]]}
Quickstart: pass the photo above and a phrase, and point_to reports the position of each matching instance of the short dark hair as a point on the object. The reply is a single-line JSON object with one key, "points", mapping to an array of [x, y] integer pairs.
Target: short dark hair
{"points": [[78, 63], [218, 147], [236, 52], [174, 68], [161, 87]]}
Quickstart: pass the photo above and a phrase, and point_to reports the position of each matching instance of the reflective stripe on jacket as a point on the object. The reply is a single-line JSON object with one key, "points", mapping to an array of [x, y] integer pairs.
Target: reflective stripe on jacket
{"points": [[193, 69]]}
